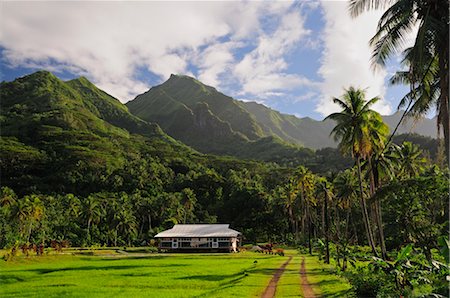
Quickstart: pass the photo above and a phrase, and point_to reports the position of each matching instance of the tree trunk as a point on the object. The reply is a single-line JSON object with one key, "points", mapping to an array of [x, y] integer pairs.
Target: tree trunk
{"points": [[364, 210], [338, 221], [89, 230], [308, 218], [380, 229], [327, 248], [347, 222], [374, 184], [309, 238], [444, 98]]}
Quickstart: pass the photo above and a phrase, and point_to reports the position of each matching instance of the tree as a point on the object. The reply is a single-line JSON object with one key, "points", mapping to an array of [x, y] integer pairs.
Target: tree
{"points": [[427, 59], [92, 211], [188, 200], [380, 165], [305, 187], [360, 131], [324, 188], [346, 188], [410, 159]]}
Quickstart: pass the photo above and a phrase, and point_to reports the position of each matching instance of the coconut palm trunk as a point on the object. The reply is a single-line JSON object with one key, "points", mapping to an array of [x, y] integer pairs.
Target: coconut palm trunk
{"points": [[374, 184], [366, 220], [327, 247], [444, 99]]}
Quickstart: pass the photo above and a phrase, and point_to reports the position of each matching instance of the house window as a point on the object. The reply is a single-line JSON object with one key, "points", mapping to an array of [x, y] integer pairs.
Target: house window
{"points": [[224, 244], [166, 244]]}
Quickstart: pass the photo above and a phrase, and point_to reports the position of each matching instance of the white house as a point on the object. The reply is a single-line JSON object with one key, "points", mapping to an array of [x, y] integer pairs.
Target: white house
{"points": [[199, 237]]}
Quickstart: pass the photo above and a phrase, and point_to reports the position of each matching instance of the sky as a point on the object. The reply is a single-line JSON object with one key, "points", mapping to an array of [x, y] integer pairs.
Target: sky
{"points": [[291, 56]]}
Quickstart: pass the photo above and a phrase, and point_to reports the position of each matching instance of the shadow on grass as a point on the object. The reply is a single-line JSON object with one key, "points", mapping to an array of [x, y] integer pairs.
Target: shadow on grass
{"points": [[89, 268], [10, 279], [128, 257], [60, 285], [213, 277], [119, 257], [329, 283]]}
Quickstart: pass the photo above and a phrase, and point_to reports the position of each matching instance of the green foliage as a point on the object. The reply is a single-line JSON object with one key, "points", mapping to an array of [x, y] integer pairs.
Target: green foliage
{"points": [[420, 205]]}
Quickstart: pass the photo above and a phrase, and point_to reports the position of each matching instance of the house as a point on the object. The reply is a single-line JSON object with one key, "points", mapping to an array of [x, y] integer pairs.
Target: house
{"points": [[199, 237]]}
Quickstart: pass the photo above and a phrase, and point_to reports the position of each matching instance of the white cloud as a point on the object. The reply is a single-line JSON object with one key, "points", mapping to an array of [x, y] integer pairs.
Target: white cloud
{"points": [[346, 59], [262, 71], [110, 41], [214, 61]]}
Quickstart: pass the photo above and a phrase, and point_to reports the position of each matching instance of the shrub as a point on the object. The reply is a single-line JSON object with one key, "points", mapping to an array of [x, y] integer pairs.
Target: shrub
{"points": [[365, 282]]}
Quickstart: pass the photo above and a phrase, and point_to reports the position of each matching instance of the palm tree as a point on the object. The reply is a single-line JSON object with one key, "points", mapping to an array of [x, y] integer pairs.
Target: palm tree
{"points": [[92, 211], [410, 159], [324, 188], [381, 166], [346, 188], [188, 200], [28, 210], [427, 60], [360, 132], [305, 187], [126, 225]]}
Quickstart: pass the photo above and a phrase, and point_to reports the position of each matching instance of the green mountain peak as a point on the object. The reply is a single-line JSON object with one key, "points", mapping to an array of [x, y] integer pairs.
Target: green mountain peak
{"points": [[42, 99]]}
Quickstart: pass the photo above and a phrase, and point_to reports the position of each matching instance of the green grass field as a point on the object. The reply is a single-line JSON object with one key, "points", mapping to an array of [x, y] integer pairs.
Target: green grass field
{"points": [[174, 275], [153, 275]]}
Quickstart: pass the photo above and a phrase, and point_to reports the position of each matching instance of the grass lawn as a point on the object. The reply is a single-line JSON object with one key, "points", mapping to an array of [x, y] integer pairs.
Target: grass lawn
{"points": [[156, 275], [139, 273], [323, 281]]}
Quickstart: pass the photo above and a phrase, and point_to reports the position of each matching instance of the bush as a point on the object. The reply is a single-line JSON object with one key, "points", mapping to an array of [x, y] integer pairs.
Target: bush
{"points": [[367, 283]]}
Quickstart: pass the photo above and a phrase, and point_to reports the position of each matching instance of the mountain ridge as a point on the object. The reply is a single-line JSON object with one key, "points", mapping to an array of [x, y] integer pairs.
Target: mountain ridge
{"points": [[246, 118]]}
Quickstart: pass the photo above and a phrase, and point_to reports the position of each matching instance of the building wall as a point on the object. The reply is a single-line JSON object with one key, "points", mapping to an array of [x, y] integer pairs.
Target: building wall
{"points": [[219, 243]]}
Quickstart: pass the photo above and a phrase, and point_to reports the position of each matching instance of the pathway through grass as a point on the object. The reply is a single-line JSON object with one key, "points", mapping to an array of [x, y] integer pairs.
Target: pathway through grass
{"points": [[318, 276]]}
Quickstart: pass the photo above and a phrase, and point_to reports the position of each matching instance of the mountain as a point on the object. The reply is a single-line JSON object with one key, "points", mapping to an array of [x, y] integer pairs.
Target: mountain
{"points": [[316, 134], [70, 133], [422, 126], [41, 101], [301, 131], [212, 122]]}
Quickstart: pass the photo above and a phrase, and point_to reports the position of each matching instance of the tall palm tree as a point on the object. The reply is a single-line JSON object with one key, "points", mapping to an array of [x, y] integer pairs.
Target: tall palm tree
{"points": [[360, 132], [380, 167], [290, 196], [411, 161], [324, 189], [346, 188], [305, 187], [92, 211], [429, 56], [126, 225]]}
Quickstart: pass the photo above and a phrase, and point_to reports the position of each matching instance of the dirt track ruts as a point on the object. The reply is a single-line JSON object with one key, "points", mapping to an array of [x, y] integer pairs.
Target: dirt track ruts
{"points": [[271, 288], [306, 287]]}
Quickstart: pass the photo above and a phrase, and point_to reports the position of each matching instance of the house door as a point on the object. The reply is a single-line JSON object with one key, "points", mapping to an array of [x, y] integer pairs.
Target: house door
{"points": [[214, 243], [175, 243]]}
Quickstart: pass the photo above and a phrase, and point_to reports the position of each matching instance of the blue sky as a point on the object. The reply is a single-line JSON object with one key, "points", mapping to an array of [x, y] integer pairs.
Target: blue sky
{"points": [[291, 56]]}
